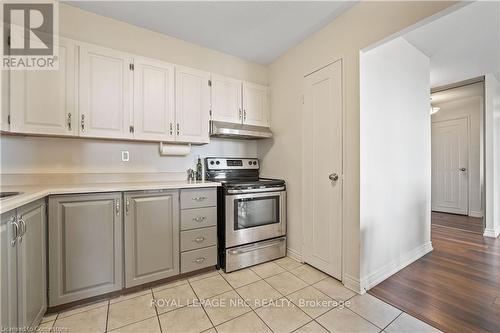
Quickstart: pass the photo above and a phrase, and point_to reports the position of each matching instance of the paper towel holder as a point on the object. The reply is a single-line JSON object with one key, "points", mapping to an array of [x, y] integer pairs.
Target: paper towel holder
{"points": [[168, 149]]}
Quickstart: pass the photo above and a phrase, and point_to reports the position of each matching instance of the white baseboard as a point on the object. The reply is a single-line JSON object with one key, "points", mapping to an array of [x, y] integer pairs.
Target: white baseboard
{"points": [[395, 266], [491, 233], [294, 254], [353, 284], [475, 214]]}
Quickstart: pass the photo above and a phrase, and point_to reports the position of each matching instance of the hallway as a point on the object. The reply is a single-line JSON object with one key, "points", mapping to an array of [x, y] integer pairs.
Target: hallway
{"points": [[455, 288], [465, 223]]}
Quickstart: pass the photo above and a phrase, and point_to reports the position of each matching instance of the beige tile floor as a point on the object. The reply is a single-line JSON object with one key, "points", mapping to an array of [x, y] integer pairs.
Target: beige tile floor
{"points": [[279, 296]]}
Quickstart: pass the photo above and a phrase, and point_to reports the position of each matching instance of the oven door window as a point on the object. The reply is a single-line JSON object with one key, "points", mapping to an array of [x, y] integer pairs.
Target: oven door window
{"points": [[256, 212]]}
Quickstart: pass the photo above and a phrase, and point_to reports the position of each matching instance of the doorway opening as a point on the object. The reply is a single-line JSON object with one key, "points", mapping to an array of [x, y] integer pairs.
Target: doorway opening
{"points": [[434, 241], [457, 144]]}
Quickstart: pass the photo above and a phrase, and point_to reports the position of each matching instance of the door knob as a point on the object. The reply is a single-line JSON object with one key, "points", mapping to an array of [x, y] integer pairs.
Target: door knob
{"points": [[463, 169], [333, 177]]}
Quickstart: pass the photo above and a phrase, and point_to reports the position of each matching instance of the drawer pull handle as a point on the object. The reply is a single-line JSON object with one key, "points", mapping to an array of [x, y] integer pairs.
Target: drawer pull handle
{"points": [[199, 198], [199, 218], [200, 260], [199, 239]]}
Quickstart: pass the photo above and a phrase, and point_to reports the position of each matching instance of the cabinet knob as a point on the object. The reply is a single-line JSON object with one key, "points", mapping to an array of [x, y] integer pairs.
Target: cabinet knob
{"points": [[199, 239], [200, 260], [199, 218]]}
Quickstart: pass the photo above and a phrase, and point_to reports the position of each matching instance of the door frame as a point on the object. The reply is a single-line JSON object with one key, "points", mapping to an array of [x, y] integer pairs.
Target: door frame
{"points": [[467, 119], [345, 278]]}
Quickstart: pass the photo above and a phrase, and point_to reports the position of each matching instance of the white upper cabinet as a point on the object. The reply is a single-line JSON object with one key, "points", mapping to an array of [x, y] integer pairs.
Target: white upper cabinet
{"points": [[106, 93], [154, 115], [192, 105], [255, 104], [43, 101], [226, 99]]}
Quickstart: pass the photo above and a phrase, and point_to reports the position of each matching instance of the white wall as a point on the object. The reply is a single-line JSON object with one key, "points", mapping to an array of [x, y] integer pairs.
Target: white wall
{"points": [[492, 155], [361, 26], [20, 154], [468, 104], [39, 155], [395, 159]]}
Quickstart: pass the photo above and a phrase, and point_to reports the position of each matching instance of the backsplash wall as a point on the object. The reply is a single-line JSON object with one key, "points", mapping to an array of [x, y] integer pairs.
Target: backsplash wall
{"points": [[22, 154]]}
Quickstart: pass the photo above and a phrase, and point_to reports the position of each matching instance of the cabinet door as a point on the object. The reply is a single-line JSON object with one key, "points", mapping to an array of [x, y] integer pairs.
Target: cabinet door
{"points": [[32, 284], [43, 101], [8, 272], [192, 105], [255, 104], [154, 117], [226, 99], [106, 89], [151, 236], [4, 100], [85, 246]]}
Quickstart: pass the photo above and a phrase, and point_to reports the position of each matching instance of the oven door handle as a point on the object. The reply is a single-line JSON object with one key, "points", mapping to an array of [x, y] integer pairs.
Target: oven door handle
{"points": [[250, 249], [255, 190]]}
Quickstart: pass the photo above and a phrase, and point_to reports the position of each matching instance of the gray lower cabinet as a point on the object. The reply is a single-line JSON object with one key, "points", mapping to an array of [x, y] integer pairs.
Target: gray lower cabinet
{"points": [[198, 229], [23, 294], [85, 246], [8, 271], [32, 264], [151, 236]]}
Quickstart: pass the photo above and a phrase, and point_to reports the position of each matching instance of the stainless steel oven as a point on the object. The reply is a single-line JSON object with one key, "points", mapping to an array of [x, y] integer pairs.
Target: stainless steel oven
{"points": [[255, 216], [251, 213]]}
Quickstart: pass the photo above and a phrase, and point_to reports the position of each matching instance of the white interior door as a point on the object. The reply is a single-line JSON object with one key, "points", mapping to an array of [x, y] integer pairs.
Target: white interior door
{"points": [[154, 117], [450, 152], [322, 156]]}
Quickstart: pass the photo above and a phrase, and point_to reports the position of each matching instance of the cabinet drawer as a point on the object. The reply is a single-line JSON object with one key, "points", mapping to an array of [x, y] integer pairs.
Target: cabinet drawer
{"points": [[198, 197], [197, 259], [198, 218], [198, 238]]}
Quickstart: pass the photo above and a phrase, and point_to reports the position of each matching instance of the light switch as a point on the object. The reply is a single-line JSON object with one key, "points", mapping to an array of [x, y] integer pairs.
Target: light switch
{"points": [[125, 156]]}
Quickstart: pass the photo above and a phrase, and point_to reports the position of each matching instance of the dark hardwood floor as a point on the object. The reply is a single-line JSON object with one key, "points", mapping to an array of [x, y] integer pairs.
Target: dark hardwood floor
{"points": [[455, 288], [467, 223]]}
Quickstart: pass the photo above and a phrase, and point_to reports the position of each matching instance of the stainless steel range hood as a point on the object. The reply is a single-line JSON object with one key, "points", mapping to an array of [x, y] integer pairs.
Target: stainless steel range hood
{"points": [[221, 129]]}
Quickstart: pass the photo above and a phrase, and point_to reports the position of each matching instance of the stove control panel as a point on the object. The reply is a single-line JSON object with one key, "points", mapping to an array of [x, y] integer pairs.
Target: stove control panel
{"points": [[220, 163]]}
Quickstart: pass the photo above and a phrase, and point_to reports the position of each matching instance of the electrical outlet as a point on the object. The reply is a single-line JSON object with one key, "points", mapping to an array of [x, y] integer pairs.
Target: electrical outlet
{"points": [[125, 156]]}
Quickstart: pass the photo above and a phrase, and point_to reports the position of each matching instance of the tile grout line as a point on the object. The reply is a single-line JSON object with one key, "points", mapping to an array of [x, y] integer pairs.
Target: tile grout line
{"points": [[399, 315], [206, 314], [107, 318], [156, 310], [131, 323], [252, 310]]}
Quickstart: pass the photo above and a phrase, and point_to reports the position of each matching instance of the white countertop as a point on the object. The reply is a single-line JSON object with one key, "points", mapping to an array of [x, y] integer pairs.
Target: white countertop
{"points": [[30, 193]]}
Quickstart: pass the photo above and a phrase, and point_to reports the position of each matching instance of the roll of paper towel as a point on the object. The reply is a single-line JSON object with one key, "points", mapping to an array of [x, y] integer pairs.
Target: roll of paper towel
{"points": [[167, 149]]}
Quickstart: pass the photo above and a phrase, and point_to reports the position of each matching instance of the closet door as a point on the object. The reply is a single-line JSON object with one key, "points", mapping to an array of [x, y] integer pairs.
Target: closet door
{"points": [[43, 101], [154, 116], [106, 92], [255, 104], [192, 105], [226, 99], [322, 165]]}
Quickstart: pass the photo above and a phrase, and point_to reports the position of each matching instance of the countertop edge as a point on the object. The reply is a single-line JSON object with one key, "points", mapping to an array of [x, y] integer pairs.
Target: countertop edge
{"points": [[33, 193]]}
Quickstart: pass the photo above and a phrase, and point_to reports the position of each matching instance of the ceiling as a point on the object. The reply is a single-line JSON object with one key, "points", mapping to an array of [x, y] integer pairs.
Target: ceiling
{"points": [[463, 44], [258, 31]]}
